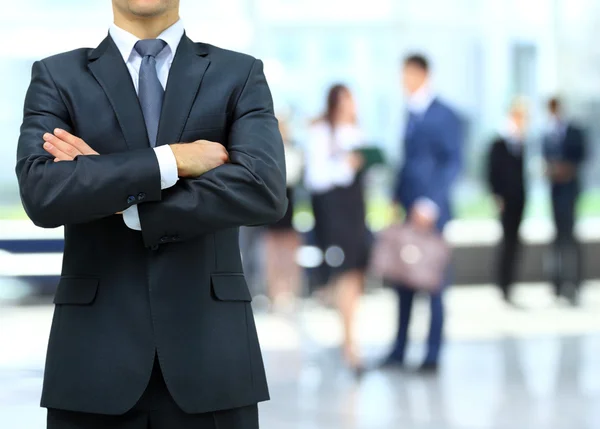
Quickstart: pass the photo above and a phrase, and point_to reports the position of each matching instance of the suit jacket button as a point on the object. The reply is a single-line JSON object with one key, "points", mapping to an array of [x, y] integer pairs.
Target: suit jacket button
{"points": [[164, 239], [141, 196], [155, 247], [130, 199], [175, 238]]}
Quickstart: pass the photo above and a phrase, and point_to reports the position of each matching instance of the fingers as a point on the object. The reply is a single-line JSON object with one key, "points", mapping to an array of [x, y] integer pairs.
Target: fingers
{"points": [[56, 153], [74, 141], [64, 146], [59, 148]]}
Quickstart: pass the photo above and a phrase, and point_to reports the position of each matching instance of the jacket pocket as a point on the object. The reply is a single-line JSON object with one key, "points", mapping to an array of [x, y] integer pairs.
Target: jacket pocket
{"points": [[230, 287], [76, 290]]}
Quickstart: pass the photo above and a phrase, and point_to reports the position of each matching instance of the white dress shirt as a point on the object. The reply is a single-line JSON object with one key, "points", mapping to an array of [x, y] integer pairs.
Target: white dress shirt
{"points": [[326, 156], [420, 101], [418, 104], [125, 42]]}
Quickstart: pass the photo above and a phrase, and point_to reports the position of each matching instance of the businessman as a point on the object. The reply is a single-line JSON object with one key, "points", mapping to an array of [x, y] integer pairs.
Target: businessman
{"points": [[151, 150], [432, 162], [564, 151], [507, 181]]}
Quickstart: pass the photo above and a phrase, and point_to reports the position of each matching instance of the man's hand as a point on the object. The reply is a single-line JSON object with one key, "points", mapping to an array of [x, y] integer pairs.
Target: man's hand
{"points": [[65, 146], [562, 172], [355, 160], [421, 219], [499, 203], [195, 159]]}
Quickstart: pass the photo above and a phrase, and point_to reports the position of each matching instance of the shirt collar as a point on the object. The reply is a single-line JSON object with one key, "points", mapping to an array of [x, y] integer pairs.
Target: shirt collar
{"points": [[126, 41], [420, 101], [557, 124]]}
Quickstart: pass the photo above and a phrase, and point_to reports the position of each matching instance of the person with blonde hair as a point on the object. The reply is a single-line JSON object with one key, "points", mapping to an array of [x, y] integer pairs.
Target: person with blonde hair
{"points": [[506, 178]]}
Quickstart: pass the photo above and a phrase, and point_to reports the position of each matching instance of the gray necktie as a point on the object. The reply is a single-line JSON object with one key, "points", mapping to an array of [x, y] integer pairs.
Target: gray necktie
{"points": [[150, 91]]}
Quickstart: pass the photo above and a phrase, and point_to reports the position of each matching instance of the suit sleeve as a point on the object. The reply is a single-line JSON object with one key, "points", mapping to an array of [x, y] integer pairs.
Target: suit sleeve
{"points": [[580, 146], [493, 173], [449, 155], [85, 189], [249, 190]]}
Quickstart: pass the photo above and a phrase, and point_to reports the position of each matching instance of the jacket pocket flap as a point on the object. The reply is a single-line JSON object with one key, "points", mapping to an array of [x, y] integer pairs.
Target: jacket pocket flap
{"points": [[230, 287], [76, 290]]}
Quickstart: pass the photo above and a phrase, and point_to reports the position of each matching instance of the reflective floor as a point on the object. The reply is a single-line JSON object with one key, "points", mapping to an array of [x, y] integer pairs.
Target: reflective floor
{"points": [[537, 368]]}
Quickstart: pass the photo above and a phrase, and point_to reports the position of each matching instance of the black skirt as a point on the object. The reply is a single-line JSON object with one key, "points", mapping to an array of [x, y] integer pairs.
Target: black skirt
{"points": [[340, 229]]}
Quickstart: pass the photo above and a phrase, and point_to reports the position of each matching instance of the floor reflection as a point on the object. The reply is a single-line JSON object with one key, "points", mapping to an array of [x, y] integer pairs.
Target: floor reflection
{"points": [[504, 371], [544, 383]]}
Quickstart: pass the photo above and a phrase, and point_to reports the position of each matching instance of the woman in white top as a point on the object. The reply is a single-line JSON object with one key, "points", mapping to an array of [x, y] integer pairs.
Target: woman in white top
{"points": [[333, 179]]}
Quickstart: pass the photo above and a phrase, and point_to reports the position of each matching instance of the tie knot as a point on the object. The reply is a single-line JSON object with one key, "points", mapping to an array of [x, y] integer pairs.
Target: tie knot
{"points": [[150, 47]]}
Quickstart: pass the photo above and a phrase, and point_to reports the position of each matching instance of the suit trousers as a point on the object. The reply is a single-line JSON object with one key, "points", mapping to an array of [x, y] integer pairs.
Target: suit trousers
{"points": [[510, 247], [567, 252], [156, 409], [434, 341]]}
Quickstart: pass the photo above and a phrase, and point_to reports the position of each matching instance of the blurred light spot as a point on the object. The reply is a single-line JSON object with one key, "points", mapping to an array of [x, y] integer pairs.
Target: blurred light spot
{"points": [[411, 254], [377, 220], [309, 257], [261, 303], [304, 222], [334, 256]]}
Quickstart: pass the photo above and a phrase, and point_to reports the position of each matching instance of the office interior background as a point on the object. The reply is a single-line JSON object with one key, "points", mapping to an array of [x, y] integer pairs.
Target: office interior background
{"points": [[533, 370], [484, 52]]}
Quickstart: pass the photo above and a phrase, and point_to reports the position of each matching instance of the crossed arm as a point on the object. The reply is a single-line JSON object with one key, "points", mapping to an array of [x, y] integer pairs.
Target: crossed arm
{"points": [[249, 189]]}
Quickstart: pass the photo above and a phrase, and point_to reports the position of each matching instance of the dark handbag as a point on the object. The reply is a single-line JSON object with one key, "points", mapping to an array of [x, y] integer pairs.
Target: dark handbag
{"points": [[404, 255]]}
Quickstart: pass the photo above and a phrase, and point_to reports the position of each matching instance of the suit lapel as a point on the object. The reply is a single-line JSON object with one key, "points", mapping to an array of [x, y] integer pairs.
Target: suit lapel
{"points": [[420, 120], [109, 69], [185, 76]]}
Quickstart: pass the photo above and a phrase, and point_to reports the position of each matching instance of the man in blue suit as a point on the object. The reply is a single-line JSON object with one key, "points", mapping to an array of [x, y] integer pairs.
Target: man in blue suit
{"points": [[564, 152], [432, 162]]}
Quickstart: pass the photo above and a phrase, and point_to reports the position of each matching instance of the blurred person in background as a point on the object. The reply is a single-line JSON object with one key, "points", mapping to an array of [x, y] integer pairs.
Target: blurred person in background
{"points": [[506, 179], [282, 240], [432, 147], [153, 325], [564, 150], [252, 249], [333, 179]]}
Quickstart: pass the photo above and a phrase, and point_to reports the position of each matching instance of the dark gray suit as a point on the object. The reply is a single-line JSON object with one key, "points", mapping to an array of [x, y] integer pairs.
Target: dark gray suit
{"points": [[175, 290]]}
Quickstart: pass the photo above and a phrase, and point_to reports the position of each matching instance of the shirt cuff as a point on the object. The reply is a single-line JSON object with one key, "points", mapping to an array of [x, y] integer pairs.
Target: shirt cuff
{"points": [[131, 217], [427, 208], [167, 165]]}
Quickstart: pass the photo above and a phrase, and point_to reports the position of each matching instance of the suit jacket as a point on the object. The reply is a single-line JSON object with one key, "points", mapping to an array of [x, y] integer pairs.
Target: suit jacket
{"points": [[506, 176], [570, 147], [176, 288], [432, 160]]}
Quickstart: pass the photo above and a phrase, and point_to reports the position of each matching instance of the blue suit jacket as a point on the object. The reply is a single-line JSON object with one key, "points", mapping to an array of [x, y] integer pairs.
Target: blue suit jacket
{"points": [[432, 160], [569, 148]]}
